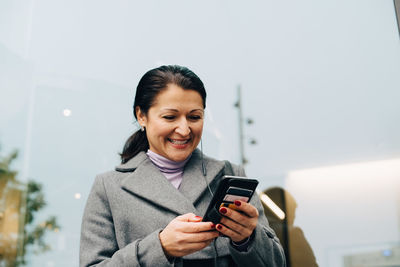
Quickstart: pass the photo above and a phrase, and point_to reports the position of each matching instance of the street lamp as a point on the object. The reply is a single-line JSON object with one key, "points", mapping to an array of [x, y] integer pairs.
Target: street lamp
{"points": [[249, 121]]}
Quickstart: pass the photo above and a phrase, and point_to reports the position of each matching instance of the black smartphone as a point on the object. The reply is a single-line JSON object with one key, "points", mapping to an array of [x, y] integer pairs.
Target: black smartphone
{"points": [[229, 189]]}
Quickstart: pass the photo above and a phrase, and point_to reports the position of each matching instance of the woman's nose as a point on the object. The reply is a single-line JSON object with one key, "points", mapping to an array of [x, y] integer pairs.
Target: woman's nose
{"points": [[183, 128]]}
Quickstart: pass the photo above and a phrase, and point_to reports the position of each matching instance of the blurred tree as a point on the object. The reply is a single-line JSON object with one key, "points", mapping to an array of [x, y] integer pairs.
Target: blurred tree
{"points": [[19, 203]]}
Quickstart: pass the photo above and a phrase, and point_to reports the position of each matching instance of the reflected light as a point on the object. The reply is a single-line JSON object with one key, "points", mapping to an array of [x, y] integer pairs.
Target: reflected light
{"points": [[271, 205], [387, 253], [67, 112], [77, 195]]}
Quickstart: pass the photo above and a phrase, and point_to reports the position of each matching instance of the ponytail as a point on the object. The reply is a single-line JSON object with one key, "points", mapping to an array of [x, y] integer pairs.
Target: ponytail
{"points": [[136, 142]]}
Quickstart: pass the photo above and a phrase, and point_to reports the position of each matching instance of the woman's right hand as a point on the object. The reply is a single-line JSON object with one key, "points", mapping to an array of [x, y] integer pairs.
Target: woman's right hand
{"points": [[186, 234]]}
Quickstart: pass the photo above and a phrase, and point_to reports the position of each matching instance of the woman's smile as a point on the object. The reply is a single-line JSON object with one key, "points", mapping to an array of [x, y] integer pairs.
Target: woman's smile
{"points": [[178, 143]]}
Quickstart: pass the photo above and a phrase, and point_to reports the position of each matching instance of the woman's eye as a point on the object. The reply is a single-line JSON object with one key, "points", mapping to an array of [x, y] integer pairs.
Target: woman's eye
{"points": [[195, 117], [169, 117]]}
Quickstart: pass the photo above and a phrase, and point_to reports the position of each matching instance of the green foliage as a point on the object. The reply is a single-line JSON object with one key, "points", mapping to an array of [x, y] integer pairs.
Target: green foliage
{"points": [[34, 200], [5, 163], [33, 235]]}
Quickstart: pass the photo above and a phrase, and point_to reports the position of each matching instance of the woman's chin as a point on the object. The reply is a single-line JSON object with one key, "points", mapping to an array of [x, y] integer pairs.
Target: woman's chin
{"points": [[179, 155]]}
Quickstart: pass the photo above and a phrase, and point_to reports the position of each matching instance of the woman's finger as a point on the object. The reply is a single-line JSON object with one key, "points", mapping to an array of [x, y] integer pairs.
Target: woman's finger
{"points": [[201, 237], [189, 217], [234, 236], [195, 227], [236, 216], [246, 208], [236, 227]]}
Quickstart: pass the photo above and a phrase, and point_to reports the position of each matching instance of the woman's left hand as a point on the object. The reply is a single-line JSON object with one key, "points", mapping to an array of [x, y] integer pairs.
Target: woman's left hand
{"points": [[238, 224]]}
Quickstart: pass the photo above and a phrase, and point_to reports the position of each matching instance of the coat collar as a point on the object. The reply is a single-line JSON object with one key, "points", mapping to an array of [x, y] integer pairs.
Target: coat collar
{"points": [[146, 180], [194, 182]]}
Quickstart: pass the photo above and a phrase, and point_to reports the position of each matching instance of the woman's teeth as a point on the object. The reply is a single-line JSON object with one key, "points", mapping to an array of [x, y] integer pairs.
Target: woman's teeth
{"points": [[179, 142]]}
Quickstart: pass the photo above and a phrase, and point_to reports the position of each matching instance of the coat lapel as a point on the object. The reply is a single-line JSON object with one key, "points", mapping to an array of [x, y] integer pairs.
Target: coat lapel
{"points": [[193, 183], [146, 181]]}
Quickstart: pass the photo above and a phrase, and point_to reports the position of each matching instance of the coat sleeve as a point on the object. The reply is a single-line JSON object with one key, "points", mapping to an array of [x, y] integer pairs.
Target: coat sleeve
{"points": [[98, 244], [264, 248]]}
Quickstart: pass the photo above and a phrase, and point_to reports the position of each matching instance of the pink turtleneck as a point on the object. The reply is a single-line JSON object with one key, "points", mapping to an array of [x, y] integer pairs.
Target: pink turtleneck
{"points": [[172, 170]]}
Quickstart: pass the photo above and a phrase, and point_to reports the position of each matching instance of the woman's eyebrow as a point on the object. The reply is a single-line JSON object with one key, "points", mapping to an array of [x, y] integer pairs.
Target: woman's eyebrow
{"points": [[175, 110], [198, 109], [169, 109]]}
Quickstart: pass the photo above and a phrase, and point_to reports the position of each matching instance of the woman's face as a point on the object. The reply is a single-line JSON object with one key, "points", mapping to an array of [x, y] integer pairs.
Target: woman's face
{"points": [[174, 123]]}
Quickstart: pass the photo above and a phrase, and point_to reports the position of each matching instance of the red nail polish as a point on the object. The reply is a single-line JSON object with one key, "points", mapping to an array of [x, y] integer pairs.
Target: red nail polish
{"points": [[223, 210], [212, 226], [198, 217], [237, 203], [219, 227]]}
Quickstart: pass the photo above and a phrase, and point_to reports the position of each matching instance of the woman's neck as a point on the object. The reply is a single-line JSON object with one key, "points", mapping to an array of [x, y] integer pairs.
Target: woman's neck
{"points": [[172, 170]]}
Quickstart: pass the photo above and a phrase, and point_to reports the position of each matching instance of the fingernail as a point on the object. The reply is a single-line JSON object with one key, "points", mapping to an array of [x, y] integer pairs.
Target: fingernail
{"points": [[237, 203], [223, 210], [212, 226], [219, 227], [198, 217]]}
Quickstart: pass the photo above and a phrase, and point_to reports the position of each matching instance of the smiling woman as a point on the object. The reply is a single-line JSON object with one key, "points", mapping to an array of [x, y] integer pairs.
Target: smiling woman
{"points": [[145, 213], [174, 123], [165, 92]]}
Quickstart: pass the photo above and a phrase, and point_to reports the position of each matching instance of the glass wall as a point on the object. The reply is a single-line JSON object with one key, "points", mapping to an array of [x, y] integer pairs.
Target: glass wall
{"points": [[319, 100]]}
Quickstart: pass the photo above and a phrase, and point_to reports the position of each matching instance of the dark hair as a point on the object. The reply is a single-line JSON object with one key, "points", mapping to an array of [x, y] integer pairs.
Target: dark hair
{"points": [[151, 84]]}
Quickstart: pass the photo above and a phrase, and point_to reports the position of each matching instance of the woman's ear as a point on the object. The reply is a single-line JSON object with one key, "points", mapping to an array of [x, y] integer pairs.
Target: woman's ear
{"points": [[141, 117]]}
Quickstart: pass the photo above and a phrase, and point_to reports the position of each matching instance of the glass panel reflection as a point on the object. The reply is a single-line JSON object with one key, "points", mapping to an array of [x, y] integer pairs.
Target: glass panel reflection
{"points": [[12, 199], [19, 203], [343, 215], [297, 249]]}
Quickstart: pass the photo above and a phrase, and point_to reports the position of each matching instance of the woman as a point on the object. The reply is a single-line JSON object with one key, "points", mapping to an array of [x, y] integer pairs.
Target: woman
{"points": [[147, 212]]}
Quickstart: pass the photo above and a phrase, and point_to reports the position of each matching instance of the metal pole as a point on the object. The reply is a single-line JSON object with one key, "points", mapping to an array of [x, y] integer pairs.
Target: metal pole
{"points": [[241, 136]]}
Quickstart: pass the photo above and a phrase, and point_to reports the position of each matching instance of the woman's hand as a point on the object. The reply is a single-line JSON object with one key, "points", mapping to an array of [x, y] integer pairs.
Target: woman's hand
{"points": [[186, 234], [238, 224]]}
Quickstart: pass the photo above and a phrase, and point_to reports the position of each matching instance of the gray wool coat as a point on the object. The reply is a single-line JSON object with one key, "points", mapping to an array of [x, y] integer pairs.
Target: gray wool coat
{"points": [[127, 208]]}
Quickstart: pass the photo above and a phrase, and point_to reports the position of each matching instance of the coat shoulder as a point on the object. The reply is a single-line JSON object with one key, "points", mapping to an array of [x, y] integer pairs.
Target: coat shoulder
{"points": [[110, 177], [237, 169]]}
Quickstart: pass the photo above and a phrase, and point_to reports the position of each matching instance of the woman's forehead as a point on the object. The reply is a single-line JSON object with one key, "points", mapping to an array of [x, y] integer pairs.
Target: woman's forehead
{"points": [[174, 96]]}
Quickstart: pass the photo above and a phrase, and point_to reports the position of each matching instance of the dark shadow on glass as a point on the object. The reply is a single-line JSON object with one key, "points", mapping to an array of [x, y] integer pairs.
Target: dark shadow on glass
{"points": [[397, 9], [297, 250]]}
